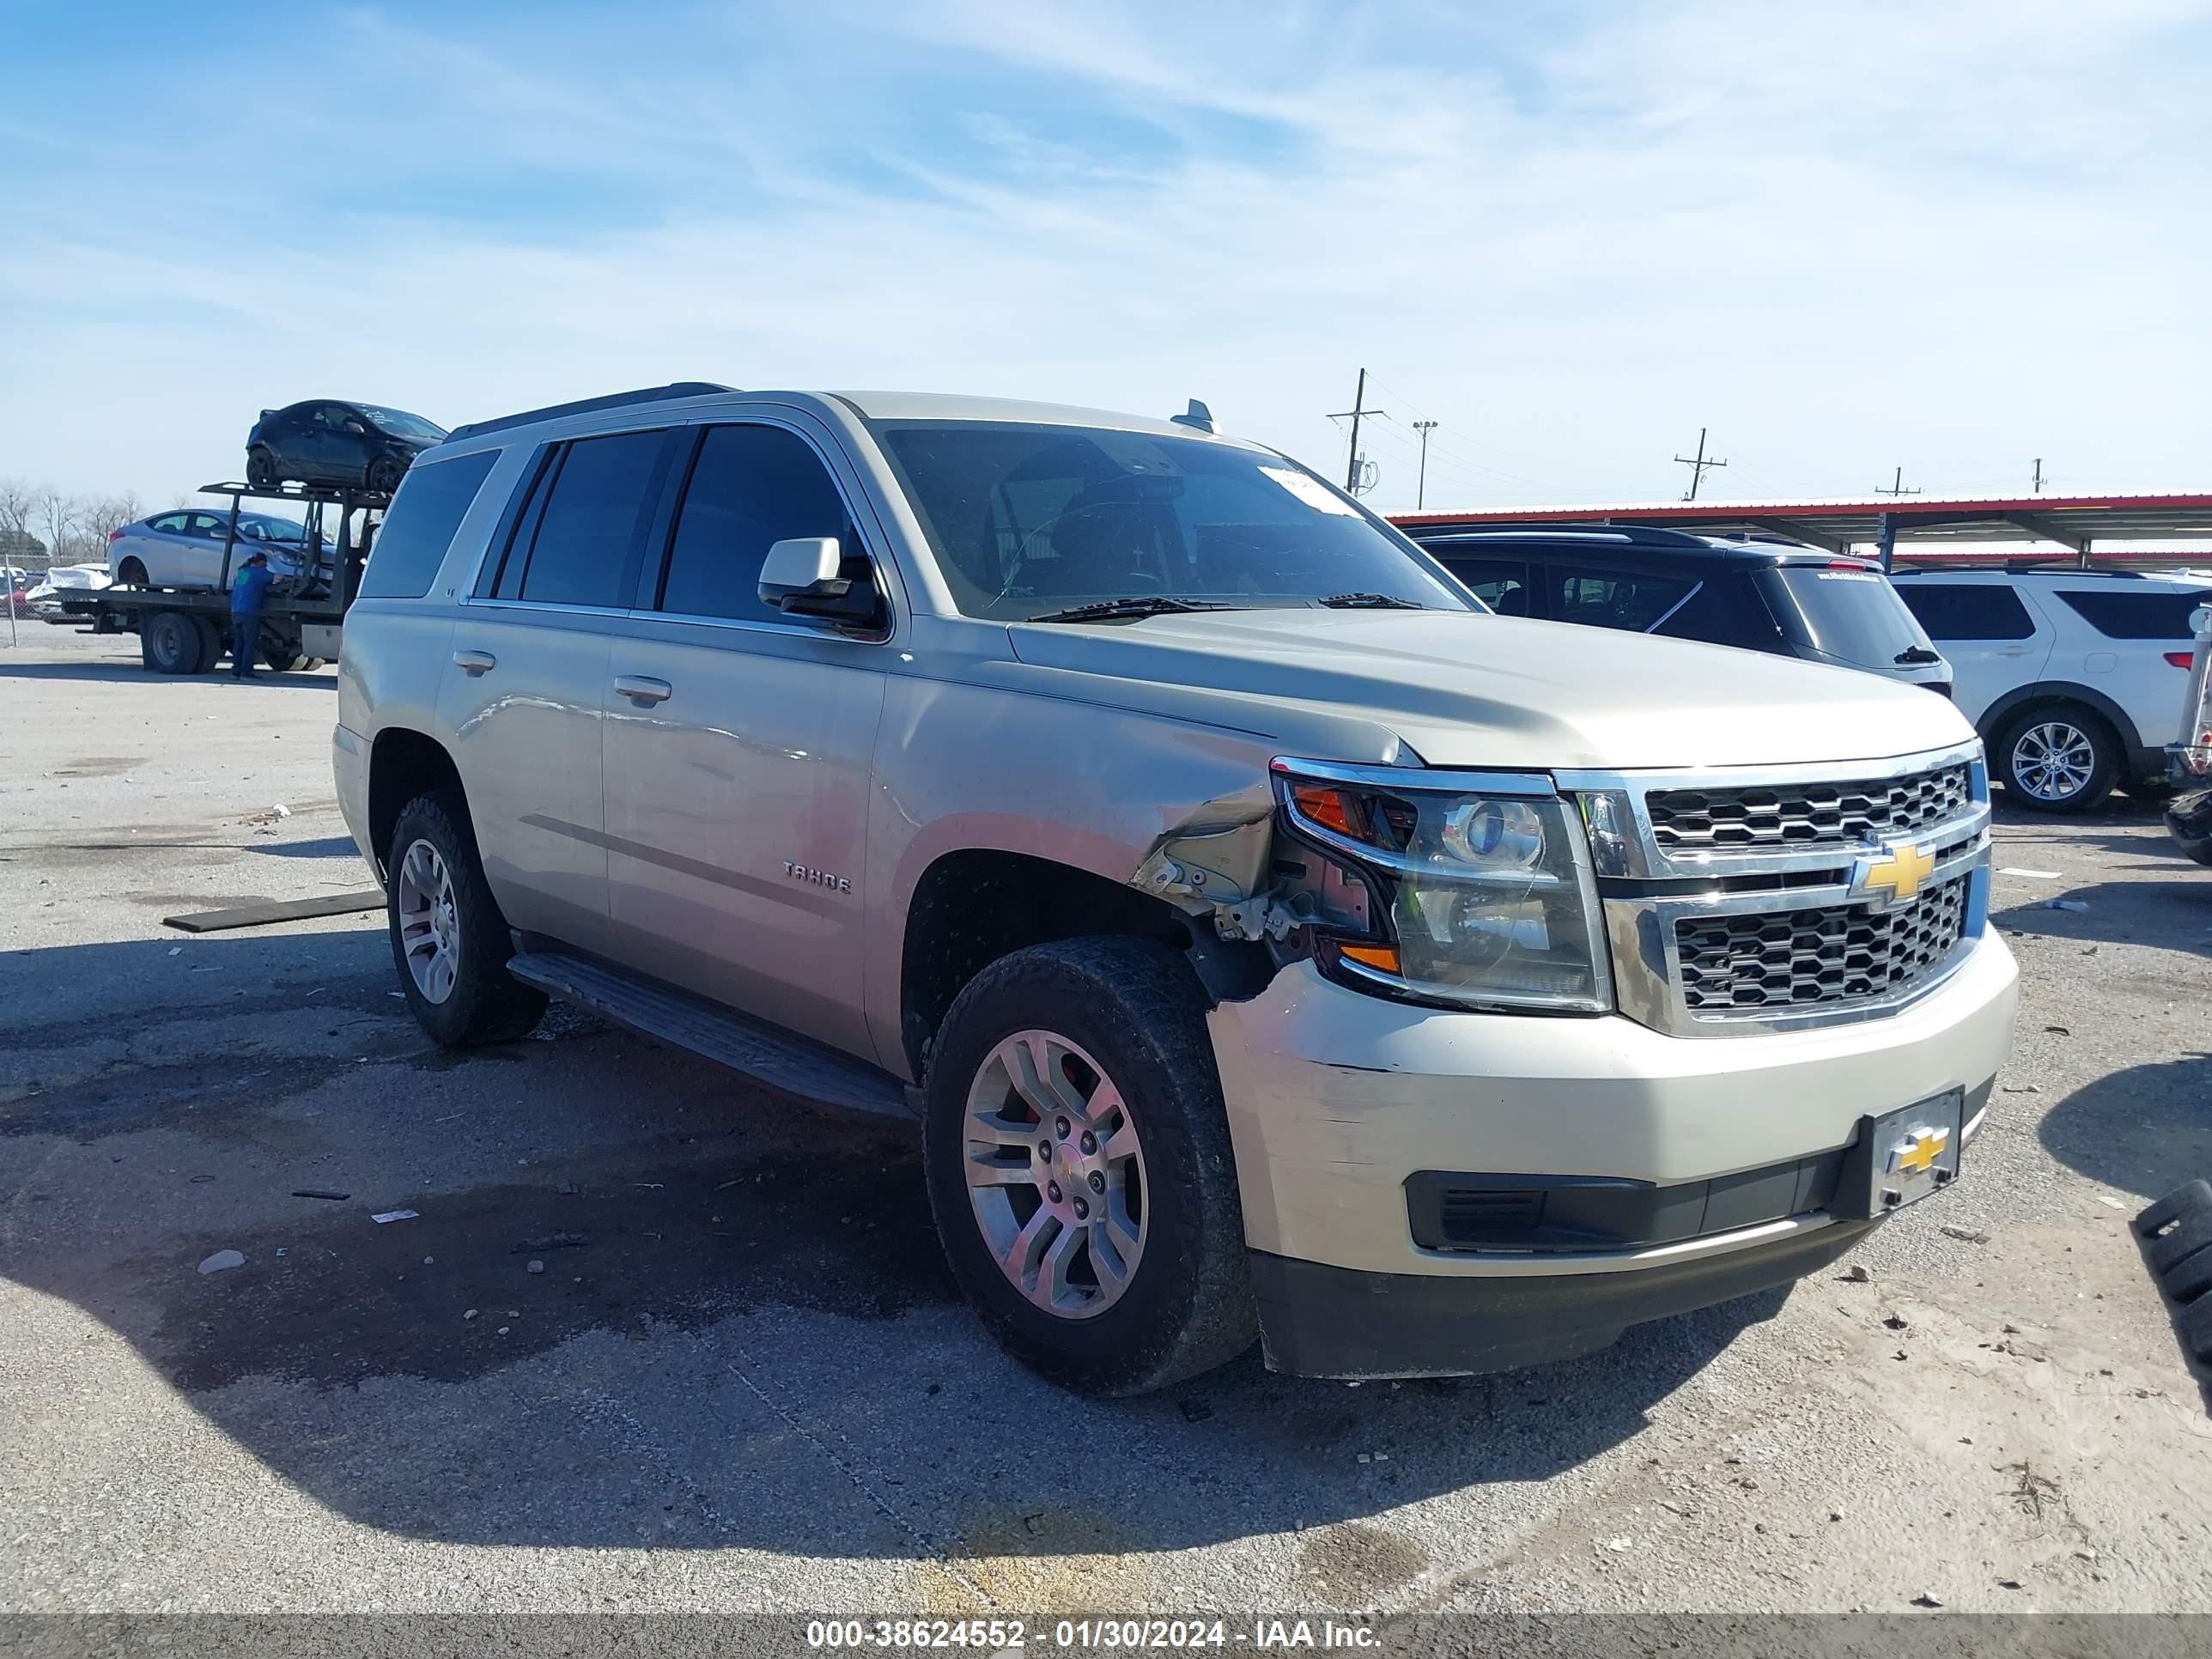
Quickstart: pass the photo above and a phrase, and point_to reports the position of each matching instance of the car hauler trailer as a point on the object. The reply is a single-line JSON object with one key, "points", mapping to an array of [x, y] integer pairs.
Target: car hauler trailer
{"points": [[186, 630]]}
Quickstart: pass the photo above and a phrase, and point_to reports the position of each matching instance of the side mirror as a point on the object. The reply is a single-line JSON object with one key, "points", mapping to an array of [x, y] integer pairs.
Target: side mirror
{"points": [[803, 577]]}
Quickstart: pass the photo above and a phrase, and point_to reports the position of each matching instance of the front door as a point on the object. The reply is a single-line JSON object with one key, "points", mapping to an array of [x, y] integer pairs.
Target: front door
{"points": [[1994, 637], [737, 747]]}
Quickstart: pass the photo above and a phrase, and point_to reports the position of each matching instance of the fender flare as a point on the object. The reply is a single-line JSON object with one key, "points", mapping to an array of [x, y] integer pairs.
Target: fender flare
{"points": [[1995, 717]]}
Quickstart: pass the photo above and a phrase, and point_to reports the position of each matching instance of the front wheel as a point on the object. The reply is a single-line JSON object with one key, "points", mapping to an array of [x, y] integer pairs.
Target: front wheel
{"points": [[384, 473], [260, 469], [1079, 1167], [2059, 758], [448, 939]]}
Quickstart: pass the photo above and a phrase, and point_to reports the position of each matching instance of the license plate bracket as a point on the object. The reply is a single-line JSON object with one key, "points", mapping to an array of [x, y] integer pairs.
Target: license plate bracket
{"points": [[1901, 1156]]}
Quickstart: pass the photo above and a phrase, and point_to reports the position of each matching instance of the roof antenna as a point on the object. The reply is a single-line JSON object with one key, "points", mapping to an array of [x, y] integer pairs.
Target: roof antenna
{"points": [[1198, 415]]}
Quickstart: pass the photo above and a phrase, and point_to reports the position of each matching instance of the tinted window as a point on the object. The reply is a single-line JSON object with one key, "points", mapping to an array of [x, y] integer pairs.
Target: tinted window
{"points": [[1501, 584], [1612, 599], [2119, 614], [1026, 519], [750, 486], [1849, 615], [206, 523], [1724, 609], [582, 552], [419, 525], [1967, 611], [170, 524]]}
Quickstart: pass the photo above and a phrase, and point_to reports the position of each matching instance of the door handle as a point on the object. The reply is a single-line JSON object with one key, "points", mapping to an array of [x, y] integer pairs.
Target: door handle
{"points": [[638, 689], [475, 662]]}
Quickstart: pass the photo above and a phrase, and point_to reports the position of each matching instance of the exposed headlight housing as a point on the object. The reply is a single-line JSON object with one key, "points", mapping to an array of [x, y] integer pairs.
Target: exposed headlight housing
{"points": [[1486, 880]]}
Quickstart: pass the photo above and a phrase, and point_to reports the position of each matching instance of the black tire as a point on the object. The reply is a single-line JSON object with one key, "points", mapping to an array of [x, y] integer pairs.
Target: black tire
{"points": [[486, 1004], [132, 574], [211, 644], [384, 473], [1137, 1008], [169, 643], [2029, 734], [260, 469]]}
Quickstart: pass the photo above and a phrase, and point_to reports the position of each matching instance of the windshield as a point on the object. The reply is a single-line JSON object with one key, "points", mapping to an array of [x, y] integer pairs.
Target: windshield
{"points": [[400, 424], [270, 527], [1027, 520], [1849, 615]]}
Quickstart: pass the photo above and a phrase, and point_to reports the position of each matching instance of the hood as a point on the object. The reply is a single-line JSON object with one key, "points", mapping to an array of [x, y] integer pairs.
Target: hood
{"points": [[1466, 690]]}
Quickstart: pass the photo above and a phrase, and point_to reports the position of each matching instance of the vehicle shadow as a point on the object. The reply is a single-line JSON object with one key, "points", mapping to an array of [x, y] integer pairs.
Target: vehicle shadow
{"points": [[129, 670], [326, 847], [738, 1329], [2147, 1129], [2174, 913]]}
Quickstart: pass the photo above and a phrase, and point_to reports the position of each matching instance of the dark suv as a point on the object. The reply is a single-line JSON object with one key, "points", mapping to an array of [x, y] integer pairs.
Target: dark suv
{"points": [[1759, 593]]}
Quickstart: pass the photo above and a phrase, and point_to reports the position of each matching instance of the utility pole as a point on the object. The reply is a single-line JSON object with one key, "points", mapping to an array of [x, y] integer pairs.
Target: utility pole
{"points": [[2038, 475], [1697, 466], [1896, 486], [1421, 487], [1359, 408]]}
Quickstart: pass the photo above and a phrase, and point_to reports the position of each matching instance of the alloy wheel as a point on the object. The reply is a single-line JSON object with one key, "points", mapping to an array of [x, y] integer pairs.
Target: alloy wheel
{"points": [[429, 923], [1055, 1174], [2054, 760]]}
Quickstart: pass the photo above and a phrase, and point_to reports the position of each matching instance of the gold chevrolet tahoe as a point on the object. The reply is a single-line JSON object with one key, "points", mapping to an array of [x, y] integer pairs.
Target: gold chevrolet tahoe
{"points": [[1265, 942]]}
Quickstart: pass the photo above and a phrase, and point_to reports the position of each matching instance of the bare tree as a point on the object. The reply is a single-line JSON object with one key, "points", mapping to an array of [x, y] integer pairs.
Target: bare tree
{"points": [[18, 505], [107, 515], [57, 517]]}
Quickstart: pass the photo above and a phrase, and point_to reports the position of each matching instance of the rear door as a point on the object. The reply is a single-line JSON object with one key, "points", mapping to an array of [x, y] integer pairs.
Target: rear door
{"points": [[205, 534], [1994, 636], [162, 547], [2142, 649], [525, 694], [1503, 584], [738, 745]]}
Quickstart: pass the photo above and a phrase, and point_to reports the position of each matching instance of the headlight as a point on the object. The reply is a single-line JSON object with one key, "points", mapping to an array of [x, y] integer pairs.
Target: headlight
{"points": [[1490, 893]]}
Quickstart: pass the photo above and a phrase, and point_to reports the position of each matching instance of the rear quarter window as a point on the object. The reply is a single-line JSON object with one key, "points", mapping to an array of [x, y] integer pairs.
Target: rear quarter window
{"points": [[419, 525], [2160, 615]]}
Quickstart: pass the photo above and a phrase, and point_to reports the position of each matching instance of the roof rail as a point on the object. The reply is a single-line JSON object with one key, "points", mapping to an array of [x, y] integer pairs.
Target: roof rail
{"points": [[651, 394], [1642, 535]]}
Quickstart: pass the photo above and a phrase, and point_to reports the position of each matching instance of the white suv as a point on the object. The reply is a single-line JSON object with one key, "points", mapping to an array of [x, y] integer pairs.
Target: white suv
{"points": [[2071, 676]]}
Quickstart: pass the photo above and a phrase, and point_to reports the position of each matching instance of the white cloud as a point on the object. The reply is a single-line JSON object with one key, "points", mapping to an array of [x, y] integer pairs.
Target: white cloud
{"points": [[1844, 237]]}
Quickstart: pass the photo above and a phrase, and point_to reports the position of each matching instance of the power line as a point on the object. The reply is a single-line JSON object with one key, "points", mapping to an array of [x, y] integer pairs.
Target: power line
{"points": [[1698, 466], [1352, 480], [1896, 486]]}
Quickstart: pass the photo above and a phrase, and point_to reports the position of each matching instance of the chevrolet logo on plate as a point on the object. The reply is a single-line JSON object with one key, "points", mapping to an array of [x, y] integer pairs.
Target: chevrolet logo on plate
{"points": [[1893, 875], [1917, 1153]]}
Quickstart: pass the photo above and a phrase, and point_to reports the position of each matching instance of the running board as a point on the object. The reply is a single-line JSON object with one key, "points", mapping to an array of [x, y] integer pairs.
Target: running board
{"points": [[767, 1053]]}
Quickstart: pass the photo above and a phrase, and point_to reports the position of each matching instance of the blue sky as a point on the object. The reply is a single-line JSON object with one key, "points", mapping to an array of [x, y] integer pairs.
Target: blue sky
{"points": [[1844, 237]]}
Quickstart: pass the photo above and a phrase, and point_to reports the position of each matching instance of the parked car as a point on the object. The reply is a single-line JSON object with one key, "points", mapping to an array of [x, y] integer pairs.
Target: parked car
{"points": [[1262, 940], [46, 599], [2189, 758], [1757, 594], [320, 441], [184, 547], [2071, 676]]}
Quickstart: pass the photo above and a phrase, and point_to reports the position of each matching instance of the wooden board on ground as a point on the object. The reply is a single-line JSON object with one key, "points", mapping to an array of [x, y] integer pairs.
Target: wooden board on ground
{"points": [[260, 916]]}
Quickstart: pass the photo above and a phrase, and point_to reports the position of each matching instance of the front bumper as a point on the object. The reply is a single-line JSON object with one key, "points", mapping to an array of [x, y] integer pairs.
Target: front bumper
{"points": [[1335, 1100]]}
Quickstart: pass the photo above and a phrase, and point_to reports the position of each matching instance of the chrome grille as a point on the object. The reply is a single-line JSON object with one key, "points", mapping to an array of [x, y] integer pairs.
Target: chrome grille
{"points": [[1807, 958], [1725, 819]]}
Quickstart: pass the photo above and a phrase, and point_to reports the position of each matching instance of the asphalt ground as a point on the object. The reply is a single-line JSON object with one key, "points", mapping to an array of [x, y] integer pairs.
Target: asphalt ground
{"points": [[743, 1382]]}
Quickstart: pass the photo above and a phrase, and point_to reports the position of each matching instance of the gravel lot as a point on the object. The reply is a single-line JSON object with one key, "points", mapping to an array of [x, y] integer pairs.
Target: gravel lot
{"points": [[752, 1388]]}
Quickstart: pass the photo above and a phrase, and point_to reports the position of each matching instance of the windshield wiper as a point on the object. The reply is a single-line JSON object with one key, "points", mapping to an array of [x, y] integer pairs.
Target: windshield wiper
{"points": [[1157, 604], [1371, 602], [1913, 655]]}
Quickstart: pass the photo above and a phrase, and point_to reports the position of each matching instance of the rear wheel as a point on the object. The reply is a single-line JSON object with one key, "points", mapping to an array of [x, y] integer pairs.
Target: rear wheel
{"points": [[2059, 757], [212, 646], [1079, 1167], [448, 939], [169, 643], [384, 473], [260, 469], [132, 574]]}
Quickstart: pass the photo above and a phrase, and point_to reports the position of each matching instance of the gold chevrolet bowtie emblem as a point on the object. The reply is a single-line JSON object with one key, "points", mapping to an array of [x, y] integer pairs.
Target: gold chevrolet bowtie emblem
{"points": [[1919, 1151], [1896, 875]]}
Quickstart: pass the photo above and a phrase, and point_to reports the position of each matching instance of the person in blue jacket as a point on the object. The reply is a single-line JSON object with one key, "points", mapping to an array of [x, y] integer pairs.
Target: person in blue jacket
{"points": [[249, 591]]}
